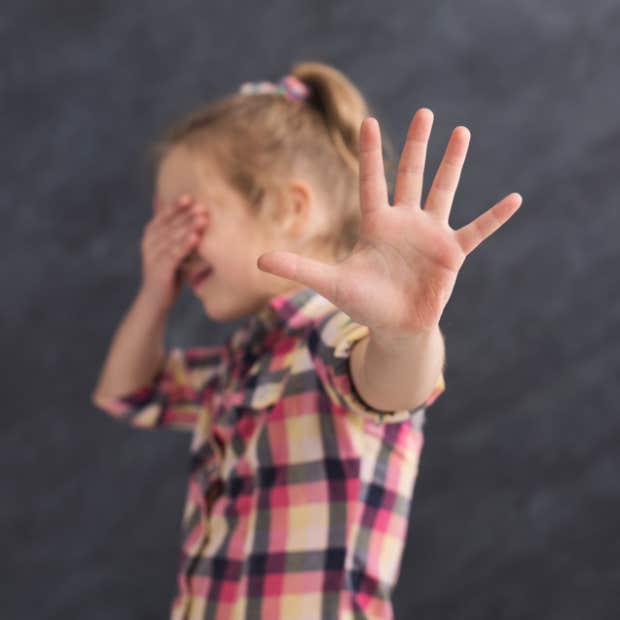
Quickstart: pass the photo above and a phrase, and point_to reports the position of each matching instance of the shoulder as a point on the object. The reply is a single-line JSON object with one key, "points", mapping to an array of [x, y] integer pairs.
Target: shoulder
{"points": [[332, 334]]}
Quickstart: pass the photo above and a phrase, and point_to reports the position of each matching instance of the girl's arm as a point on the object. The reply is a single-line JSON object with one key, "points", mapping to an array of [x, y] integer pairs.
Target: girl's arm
{"points": [[400, 373], [140, 383], [136, 353], [400, 274], [146, 387], [337, 348]]}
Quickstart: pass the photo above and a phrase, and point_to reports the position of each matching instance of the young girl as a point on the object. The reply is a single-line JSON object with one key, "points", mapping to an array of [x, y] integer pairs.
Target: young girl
{"points": [[306, 423]]}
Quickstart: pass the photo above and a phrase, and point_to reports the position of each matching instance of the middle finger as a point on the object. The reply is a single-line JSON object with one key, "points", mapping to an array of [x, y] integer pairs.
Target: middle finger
{"points": [[410, 175]]}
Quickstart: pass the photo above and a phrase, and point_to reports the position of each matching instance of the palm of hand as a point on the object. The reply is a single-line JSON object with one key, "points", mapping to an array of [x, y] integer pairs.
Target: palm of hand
{"points": [[401, 272], [425, 262]]}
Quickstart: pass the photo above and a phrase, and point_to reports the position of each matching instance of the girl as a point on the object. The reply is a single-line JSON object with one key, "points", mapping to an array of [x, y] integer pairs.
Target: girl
{"points": [[307, 422]]}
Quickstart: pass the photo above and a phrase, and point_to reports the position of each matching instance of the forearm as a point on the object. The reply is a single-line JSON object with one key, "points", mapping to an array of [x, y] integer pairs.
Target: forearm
{"points": [[136, 352], [393, 373]]}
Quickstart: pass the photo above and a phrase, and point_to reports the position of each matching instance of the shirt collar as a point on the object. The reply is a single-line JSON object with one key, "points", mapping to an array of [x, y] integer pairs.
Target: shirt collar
{"points": [[285, 311]]}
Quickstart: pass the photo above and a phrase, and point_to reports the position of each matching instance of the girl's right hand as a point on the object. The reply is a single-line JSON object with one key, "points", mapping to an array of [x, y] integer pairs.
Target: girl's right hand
{"points": [[169, 236]]}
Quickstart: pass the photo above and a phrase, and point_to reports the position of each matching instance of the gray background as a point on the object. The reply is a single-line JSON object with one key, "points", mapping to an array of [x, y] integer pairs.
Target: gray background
{"points": [[516, 507]]}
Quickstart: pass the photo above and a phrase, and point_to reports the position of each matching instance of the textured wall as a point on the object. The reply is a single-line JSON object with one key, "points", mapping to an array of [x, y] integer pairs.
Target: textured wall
{"points": [[516, 506]]}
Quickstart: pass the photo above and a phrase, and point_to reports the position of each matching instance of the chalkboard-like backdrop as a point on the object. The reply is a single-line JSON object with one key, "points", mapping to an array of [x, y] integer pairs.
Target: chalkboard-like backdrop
{"points": [[517, 502]]}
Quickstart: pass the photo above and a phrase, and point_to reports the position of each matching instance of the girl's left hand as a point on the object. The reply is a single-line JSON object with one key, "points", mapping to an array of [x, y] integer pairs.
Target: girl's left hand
{"points": [[402, 270]]}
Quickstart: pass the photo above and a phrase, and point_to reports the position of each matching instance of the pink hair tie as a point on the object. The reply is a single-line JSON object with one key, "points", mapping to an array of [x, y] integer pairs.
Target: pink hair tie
{"points": [[289, 86]]}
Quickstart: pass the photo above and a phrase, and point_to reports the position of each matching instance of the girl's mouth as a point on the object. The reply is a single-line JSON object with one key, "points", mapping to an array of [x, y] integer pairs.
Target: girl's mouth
{"points": [[199, 278]]}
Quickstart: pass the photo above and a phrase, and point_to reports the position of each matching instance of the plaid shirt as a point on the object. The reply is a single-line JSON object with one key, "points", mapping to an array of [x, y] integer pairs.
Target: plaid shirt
{"points": [[299, 493]]}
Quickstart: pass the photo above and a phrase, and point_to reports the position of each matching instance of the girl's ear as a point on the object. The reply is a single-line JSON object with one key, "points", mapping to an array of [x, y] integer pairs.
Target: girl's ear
{"points": [[296, 205]]}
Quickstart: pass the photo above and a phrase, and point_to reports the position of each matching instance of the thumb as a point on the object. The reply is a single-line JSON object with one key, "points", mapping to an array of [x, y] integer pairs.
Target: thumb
{"points": [[307, 271]]}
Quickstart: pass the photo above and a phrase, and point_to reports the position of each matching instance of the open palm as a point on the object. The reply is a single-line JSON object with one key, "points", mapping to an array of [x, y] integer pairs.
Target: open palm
{"points": [[401, 272]]}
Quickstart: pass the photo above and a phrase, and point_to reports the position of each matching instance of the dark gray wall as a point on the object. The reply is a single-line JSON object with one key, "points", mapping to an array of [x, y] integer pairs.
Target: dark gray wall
{"points": [[516, 507]]}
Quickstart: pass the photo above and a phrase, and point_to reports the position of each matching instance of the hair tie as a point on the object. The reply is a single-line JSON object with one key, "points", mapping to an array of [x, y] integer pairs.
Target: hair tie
{"points": [[291, 87]]}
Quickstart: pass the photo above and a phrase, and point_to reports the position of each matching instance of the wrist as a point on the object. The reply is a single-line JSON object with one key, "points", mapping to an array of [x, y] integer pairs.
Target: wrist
{"points": [[393, 340], [150, 304]]}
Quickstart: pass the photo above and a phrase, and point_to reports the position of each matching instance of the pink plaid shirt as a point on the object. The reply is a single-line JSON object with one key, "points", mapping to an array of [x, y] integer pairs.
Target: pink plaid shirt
{"points": [[299, 494]]}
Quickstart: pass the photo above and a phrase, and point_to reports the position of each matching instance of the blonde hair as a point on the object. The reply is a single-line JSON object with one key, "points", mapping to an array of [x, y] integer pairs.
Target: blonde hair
{"points": [[258, 141]]}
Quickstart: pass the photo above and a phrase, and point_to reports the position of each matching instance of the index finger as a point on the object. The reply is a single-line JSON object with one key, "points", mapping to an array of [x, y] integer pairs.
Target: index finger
{"points": [[373, 186], [160, 207]]}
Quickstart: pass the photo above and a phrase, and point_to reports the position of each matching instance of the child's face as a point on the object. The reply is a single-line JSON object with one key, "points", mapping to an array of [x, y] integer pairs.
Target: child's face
{"points": [[232, 240]]}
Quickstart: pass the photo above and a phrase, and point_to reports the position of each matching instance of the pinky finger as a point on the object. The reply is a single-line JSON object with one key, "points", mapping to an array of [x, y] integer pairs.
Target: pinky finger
{"points": [[190, 240], [183, 249], [473, 234]]}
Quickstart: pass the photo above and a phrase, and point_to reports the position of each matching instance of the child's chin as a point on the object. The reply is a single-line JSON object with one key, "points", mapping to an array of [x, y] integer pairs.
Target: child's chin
{"points": [[216, 308], [214, 312]]}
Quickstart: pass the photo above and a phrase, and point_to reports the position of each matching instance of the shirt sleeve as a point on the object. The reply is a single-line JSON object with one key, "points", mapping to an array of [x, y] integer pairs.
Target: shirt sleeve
{"points": [[334, 338], [180, 390]]}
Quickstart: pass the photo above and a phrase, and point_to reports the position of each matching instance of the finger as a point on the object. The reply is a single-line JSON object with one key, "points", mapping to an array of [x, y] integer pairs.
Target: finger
{"points": [[441, 194], [474, 233], [307, 271], [189, 219], [410, 175], [373, 186], [174, 210], [161, 224], [160, 206], [183, 216], [169, 256], [177, 236], [158, 232]]}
